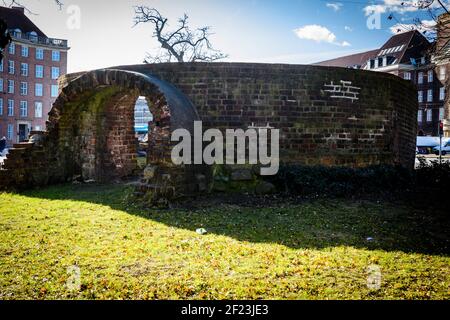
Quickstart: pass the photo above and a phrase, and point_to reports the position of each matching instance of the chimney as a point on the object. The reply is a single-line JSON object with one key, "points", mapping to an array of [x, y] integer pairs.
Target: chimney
{"points": [[21, 9]]}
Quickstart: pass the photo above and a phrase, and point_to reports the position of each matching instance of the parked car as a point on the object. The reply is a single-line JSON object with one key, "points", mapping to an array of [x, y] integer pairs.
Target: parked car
{"points": [[426, 145], [445, 149]]}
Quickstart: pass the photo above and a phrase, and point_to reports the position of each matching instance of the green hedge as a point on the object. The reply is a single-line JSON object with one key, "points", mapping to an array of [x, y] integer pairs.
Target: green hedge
{"points": [[343, 182]]}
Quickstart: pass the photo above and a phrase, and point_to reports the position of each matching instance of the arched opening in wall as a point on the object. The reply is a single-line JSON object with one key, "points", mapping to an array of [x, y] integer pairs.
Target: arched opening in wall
{"points": [[143, 119], [130, 138], [111, 133], [99, 130]]}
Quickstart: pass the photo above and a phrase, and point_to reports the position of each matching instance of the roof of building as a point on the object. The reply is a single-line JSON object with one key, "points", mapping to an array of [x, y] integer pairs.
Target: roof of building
{"points": [[358, 59], [406, 45], [400, 48], [16, 19]]}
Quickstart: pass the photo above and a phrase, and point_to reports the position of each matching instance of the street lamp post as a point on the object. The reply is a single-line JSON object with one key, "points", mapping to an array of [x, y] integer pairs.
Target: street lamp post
{"points": [[441, 133]]}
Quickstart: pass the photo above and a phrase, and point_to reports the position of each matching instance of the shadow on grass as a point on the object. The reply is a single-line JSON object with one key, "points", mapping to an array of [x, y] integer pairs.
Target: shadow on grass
{"points": [[315, 224]]}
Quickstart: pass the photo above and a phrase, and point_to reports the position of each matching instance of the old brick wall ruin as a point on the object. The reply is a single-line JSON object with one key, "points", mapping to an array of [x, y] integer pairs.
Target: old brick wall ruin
{"points": [[90, 128]]}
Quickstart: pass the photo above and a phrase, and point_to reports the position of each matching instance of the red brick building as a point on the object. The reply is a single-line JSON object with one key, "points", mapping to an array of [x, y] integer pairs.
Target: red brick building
{"points": [[442, 61], [29, 75]]}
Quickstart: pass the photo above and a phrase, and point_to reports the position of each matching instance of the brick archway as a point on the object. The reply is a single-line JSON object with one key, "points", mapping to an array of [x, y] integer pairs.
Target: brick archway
{"points": [[93, 120]]}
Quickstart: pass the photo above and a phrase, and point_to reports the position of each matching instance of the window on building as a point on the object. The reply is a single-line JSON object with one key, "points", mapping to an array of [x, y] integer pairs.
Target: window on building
{"points": [[24, 69], [10, 108], [1, 106], [23, 88], [24, 51], [430, 76], [34, 36], [442, 93], [420, 78], [55, 55], [55, 72], [376, 63], [39, 54], [38, 90], [1, 85], [10, 132], [1, 66], [442, 73], [38, 109], [12, 48], [420, 96], [23, 108], [10, 86], [38, 128], [423, 60], [429, 115], [39, 71], [430, 95], [441, 114], [420, 116], [407, 76], [54, 91], [11, 67]]}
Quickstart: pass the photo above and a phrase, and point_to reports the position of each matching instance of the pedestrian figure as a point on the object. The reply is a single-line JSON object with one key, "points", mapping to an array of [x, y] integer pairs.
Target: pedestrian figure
{"points": [[2, 144]]}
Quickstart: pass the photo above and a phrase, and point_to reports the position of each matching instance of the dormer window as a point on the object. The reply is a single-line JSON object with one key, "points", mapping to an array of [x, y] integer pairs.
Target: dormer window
{"points": [[17, 33], [33, 36]]}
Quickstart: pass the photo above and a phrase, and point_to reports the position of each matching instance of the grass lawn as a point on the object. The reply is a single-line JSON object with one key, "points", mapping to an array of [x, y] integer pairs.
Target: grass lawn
{"points": [[312, 250]]}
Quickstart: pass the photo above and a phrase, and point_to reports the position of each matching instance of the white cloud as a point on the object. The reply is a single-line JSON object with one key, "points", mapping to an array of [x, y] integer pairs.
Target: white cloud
{"points": [[375, 9], [319, 34], [349, 29], [336, 6]]}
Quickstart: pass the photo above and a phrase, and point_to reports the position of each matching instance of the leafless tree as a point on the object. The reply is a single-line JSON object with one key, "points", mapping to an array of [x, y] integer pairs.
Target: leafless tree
{"points": [[10, 3], [181, 44], [433, 8]]}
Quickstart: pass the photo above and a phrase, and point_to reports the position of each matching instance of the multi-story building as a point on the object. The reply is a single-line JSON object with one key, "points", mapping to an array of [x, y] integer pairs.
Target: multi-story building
{"points": [[407, 55], [29, 76], [441, 59]]}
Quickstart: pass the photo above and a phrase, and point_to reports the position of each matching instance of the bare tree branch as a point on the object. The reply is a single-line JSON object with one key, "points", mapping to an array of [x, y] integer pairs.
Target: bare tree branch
{"points": [[181, 44], [434, 8], [11, 3]]}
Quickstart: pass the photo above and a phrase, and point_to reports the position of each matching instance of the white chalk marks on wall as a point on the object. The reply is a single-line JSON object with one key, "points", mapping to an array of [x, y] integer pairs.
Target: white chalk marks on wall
{"points": [[344, 90]]}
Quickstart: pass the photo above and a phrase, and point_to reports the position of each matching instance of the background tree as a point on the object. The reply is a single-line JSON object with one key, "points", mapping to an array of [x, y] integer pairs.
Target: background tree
{"points": [[428, 27], [5, 37], [181, 44]]}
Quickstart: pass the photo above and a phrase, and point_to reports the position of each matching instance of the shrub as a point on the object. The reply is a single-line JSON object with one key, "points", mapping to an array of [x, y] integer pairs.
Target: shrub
{"points": [[341, 181]]}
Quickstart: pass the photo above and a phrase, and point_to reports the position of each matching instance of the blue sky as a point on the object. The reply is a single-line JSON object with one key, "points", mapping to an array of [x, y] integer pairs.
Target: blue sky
{"points": [[289, 31]]}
